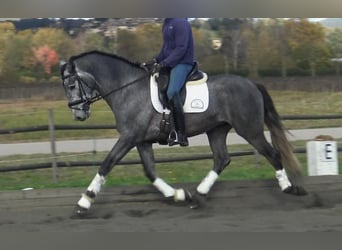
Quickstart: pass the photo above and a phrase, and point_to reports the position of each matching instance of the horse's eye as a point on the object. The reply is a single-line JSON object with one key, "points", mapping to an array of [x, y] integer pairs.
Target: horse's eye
{"points": [[72, 86]]}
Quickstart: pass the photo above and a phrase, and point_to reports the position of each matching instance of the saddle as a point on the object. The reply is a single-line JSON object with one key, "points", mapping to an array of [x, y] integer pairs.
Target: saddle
{"points": [[192, 101], [163, 83]]}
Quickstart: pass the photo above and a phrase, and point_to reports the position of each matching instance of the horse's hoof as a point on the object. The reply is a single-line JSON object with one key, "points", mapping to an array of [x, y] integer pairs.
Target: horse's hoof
{"points": [[188, 196], [182, 196], [295, 190], [168, 200], [80, 213], [198, 201]]}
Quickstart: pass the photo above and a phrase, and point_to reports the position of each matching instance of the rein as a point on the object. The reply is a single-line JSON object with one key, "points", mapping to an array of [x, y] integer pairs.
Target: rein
{"points": [[99, 97]]}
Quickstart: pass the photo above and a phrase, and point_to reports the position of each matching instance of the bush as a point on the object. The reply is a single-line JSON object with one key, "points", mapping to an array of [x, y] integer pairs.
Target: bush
{"points": [[54, 79], [269, 72], [240, 72], [27, 79], [298, 72]]}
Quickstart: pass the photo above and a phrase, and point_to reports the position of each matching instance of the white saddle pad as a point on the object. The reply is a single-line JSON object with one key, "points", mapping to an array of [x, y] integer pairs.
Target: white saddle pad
{"points": [[196, 101]]}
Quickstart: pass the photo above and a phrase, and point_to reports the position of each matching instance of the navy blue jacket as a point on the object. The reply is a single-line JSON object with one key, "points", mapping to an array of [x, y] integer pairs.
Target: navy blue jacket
{"points": [[178, 45]]}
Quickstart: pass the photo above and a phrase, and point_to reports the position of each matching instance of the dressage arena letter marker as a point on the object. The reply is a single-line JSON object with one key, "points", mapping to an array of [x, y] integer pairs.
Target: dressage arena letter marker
{"points": [[322, 158]]}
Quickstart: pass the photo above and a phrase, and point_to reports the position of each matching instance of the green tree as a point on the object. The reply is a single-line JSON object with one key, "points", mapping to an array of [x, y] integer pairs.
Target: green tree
{"points": [[128, 44], [7, 31], [230, 30], [19, 56], [203, 44], [252, 35], [334, 40]]}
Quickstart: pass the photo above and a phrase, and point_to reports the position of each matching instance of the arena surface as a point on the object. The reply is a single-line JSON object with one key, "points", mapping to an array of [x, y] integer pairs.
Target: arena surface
{"points": [[236, 206]]}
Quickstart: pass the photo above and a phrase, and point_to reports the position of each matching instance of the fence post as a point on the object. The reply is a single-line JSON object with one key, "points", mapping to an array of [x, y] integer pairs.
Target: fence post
{"points": [[53, 146]]}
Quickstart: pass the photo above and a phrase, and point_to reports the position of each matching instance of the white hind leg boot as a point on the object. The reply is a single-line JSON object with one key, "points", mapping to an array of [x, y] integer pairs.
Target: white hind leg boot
{"points": [[283, 181]]}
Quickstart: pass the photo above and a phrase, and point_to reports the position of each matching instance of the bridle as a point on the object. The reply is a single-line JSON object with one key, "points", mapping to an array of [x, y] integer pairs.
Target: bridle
{"points": [[85, 99]]}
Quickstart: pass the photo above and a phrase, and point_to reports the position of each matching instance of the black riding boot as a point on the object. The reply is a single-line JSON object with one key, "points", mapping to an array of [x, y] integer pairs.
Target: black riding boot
{"points": [[178, 135]]}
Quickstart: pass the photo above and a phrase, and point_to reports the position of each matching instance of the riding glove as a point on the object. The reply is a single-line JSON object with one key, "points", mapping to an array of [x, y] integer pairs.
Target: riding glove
{"points": [[156, 68], [150, 65]]}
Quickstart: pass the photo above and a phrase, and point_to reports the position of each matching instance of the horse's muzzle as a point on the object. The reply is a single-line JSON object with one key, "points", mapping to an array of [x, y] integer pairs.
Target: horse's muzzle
{"points": [[80, 115]]}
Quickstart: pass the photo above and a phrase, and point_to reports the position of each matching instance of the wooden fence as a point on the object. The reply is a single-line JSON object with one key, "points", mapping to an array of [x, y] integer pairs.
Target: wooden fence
{"points": [[55, 164]]}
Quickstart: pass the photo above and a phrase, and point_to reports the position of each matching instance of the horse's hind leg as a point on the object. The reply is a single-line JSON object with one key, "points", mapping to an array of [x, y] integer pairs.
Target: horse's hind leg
{"points": [[273, 156], [217, 140]]}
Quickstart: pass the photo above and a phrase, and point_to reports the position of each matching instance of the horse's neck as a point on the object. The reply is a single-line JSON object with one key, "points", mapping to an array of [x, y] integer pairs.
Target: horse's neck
{"points": [[122, 84], [114, 75]]}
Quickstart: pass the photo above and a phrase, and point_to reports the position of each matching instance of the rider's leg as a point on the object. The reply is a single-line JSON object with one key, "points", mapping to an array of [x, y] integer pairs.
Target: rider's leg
{"points": [[177, 80], [178, 136]]}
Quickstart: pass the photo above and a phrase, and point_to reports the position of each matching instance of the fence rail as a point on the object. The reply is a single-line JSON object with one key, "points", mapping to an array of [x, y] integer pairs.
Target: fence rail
{"points": [[60, 164], [64, 164], [90, 127]]}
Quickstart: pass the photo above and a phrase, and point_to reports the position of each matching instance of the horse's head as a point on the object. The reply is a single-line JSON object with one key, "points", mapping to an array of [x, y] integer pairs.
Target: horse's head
{"points": [[79, 89]]}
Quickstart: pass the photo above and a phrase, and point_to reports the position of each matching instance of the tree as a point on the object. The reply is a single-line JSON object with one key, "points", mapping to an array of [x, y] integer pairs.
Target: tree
{"points": [[282, 46], [46, 57], [18, 56], [149, 40], [203, 45], [128, 44], [253, 49], [334, 40], [87, 41], [56, 39], [7, 31], [230, 30], [307, 44]]}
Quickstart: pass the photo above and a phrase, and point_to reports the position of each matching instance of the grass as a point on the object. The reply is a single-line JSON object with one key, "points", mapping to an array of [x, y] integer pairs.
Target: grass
{"points": [[34, 113], [308, 103], [22, 113]]}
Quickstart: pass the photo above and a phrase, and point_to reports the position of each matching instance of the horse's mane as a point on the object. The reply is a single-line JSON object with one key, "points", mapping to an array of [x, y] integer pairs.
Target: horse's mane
{"points": [[136, 64]]}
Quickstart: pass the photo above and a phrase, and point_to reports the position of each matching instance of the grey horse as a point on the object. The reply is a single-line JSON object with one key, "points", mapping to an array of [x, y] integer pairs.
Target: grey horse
{"points": [[234, 102]]}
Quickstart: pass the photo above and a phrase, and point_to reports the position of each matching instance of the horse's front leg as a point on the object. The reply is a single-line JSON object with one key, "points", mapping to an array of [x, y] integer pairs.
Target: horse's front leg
{"points": [[119, 150], [147, 157]]}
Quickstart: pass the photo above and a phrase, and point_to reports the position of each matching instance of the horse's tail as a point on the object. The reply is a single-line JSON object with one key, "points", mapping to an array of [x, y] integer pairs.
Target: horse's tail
{"points": [[278, 137]]}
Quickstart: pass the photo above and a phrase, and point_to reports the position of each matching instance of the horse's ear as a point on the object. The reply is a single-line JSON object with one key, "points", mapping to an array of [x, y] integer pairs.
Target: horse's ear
{"points": [[62, 66], [62, 63], [68, 66]]}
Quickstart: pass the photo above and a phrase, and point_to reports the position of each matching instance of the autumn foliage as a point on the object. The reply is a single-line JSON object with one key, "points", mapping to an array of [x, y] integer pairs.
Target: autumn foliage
{"points": [[46, 57]]}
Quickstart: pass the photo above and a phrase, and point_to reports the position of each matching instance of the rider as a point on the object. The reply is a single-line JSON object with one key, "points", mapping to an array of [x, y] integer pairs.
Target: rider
{"points": [[177, 53]]}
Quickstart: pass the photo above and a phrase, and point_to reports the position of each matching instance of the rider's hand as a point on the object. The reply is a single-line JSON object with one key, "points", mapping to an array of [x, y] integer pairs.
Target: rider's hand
{"points": [[156, 68], [151, 62], [149, 65]]}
